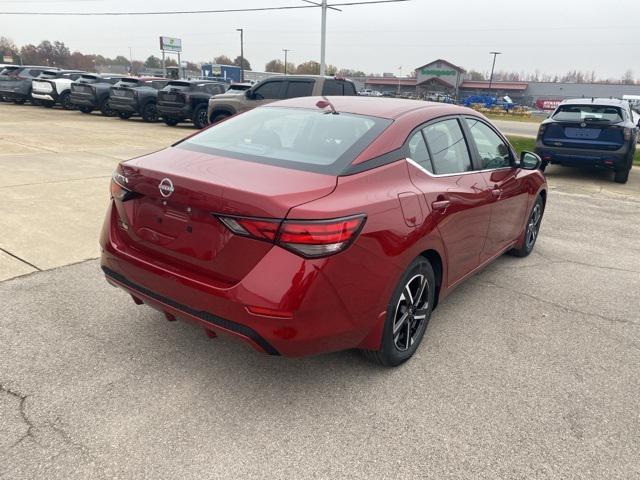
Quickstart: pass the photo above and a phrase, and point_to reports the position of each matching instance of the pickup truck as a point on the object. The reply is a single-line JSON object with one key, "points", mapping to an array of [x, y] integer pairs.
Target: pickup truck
{"points": [[91, 91], [54, 86], [276, 88], [15, 82], [131, 96], [180, 100]]}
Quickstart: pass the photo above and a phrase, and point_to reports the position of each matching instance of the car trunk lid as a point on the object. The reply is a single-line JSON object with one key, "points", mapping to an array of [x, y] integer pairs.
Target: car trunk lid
{"points": [[587, 135], [172, 215]]}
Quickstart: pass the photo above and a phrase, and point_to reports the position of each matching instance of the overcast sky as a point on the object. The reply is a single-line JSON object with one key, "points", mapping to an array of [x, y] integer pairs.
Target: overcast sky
{"points": [[547, 35]]}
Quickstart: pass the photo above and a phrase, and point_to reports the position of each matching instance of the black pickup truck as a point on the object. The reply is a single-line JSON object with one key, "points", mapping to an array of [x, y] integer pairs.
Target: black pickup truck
{"points": [[91, 91], [184, 100], [136, 96]]}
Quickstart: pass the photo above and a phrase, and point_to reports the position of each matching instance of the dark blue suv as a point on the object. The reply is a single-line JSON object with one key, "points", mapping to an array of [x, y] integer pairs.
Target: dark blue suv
{"points": [[590, 132]]}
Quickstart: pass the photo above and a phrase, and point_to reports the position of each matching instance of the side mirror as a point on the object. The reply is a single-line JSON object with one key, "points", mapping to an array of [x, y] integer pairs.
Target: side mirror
{"points": [[249, 94], [530, 161]]}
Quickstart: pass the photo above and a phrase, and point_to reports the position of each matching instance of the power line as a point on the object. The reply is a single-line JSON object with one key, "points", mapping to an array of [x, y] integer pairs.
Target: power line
{"points": [[195, 12]]}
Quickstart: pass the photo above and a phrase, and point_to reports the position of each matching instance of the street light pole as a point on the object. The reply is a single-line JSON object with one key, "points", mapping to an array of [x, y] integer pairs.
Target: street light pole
{"points": [[286, 51], [495, 54], [241, 30]]}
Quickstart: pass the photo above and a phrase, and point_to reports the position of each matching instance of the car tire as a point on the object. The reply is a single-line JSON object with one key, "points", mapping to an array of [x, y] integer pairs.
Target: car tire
{"points": [[150, 112], [84, 109], [218, 117], [200, 119], [172, 122], [622, 175], [105, 108], [530, 235], [124, 115], [65, 101], [19, 101], [48, 104], [408, 314]]}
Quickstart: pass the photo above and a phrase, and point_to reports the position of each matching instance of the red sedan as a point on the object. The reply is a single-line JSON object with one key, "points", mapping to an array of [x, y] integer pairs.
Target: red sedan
{"points": [[314, 225]]}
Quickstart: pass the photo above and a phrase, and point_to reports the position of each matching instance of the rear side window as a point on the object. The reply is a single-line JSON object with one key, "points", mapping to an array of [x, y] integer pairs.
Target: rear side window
{"points": [[303, 139], [299, 89], [269, 90], [338, 87], [448, 148], [418, 151], [214, 88], [158, 84], [588, 113], [494, 153], [34, 73]]}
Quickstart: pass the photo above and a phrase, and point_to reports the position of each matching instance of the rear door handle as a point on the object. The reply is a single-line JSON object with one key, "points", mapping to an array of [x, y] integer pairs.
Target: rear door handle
{"points": [[440, 204], [496, 192]]}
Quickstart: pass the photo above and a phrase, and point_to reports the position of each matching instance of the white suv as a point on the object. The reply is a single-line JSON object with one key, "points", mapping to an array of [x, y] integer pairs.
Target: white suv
{"points": [[54, 86]]}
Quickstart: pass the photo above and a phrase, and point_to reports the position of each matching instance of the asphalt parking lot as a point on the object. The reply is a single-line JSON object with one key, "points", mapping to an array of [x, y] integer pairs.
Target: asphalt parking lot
{"points": [[527, 371]]}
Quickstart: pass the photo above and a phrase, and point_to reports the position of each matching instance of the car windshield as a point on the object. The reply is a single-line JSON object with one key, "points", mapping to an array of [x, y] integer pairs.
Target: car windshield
{"points": [[305, 139], [588, 113]]}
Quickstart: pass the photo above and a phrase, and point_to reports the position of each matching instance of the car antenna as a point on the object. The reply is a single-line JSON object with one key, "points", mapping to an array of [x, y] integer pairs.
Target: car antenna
{"points": [[324, 103]]}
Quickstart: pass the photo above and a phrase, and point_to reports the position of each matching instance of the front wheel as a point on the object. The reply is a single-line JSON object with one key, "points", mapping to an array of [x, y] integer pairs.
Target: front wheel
{"points": [[531, 230], [19, 101], [408, 314], [218, 117], [124, 115], [172, 122], [200, 119], [84, 109]]}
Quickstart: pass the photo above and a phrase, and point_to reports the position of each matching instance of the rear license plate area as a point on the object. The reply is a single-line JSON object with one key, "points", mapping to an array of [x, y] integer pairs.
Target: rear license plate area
{"points": [[582, 133]]}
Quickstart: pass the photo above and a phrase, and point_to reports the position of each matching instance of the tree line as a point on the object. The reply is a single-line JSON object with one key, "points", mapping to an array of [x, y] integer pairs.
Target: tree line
{"points": [[57, 54]]}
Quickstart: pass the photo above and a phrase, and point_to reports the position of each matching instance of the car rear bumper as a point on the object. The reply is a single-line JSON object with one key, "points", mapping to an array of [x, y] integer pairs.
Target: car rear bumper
{"points": [[317, 318], [123, 105], [582, 157], [48, 97], [174, 111], [83, 100]]}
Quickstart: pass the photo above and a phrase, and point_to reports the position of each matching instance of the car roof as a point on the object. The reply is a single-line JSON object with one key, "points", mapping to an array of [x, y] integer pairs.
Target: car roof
{"points": [[382, 107], [613, 102]]}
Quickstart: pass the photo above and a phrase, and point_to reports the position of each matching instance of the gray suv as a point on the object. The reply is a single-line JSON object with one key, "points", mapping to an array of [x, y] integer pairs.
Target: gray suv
{"points": [[273, 89]]}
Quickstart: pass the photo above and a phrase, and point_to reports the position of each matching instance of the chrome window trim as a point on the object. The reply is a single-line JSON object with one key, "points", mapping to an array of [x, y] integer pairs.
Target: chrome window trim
{"points": [[435, 175]]}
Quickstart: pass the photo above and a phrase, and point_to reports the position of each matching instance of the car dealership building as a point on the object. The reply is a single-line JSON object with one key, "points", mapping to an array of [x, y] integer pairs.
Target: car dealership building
{"points": [[442, 76]]}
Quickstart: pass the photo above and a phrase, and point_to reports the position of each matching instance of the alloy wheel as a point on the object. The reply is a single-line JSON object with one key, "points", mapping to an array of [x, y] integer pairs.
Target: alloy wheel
{"points": [[411, 312], [533, 226]]}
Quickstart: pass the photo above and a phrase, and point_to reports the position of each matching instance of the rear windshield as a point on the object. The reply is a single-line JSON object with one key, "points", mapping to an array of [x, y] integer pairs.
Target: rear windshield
{"points": [[49, 74], [297, 138], [588, 113]]}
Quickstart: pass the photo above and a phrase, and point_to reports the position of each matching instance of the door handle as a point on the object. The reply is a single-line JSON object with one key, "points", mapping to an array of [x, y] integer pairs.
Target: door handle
{"points": [[440, 204], [496, 192]]}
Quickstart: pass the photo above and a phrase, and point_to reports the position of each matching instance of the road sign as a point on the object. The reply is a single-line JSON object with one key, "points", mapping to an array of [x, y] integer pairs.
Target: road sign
{"points": [[170, 44]]}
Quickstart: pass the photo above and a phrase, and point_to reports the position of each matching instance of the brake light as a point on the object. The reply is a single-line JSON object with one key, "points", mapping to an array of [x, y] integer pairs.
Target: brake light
{"points": [[307, 238], [260, 229], [118, 191], [627, 134], [541, 130]]}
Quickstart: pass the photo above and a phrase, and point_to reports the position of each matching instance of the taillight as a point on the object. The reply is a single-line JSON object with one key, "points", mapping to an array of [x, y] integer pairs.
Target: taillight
{"points": [[118, 191], [541, 130], [627, 133], [307, 238]]}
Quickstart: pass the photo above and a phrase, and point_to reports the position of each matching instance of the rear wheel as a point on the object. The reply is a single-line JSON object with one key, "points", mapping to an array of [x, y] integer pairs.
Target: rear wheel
{"points": [[105, 108], [19, 101], [622, 175], [65, 101], [172, 122], [84, 109], [531, 231], [408, 314], [124, 115], [200, 119], [150, 112]]}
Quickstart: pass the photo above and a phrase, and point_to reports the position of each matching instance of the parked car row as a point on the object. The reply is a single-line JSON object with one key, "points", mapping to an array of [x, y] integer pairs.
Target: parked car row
{"points": [[173, 101]]}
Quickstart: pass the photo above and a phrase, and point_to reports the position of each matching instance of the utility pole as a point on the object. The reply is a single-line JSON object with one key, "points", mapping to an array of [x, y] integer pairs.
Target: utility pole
{"points": [[241, 30], [286, 51], [495, 54], [323, 39]]}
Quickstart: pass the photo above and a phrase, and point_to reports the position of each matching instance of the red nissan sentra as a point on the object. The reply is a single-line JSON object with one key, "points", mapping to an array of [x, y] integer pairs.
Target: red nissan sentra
{"points": [[321, 224]]}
